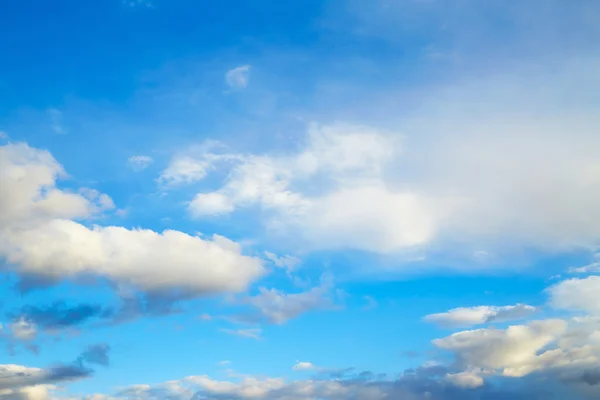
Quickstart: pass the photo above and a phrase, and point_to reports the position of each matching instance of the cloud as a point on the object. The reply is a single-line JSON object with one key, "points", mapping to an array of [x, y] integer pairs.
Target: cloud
{"points": [[194, 164], [467, 316], [23, 329], [96, 354], [363, 385], [428, 188], [56, 118], [40, 236], [252, 333], [304, 366], [593, 267], [288, 262], [16, 377], [140, 163], [277, 307], [237, 78], [351, 158], [59, 315], [514, 350], [467, 380], [577, 295]]}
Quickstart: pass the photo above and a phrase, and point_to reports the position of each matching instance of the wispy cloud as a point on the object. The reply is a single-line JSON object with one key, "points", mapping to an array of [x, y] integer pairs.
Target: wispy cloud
{"points": [[56, 121], [252, 333], [140, 163], [238, 77]]}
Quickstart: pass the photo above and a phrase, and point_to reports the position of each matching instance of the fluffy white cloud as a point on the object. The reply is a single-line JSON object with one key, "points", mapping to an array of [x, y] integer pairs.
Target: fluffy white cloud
{"points": [[577, 295], [237, 78], [139, 163], [39, 236], [467, 316], [550, 346], [361, 211], [513, 350]]}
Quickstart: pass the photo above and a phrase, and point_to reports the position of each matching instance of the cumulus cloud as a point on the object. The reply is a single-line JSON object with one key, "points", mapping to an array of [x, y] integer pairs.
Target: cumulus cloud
{"points": [[513, 350], [363, 385], [577, 295], [140, 163], [238, 77], [41, 236], [467, 316], [352, 159]]}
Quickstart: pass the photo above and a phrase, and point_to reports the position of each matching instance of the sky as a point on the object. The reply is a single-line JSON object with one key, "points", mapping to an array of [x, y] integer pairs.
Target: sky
{"points": [[299, 200]]}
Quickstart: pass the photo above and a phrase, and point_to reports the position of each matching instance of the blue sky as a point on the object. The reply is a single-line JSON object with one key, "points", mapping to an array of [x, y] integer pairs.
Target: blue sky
{"points": [[302, 200]]}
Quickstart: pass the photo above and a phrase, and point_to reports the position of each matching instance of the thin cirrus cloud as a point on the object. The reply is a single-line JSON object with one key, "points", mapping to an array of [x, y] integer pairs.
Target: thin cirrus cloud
{"points": [[238, 77], [140, 163], [251, 333]]}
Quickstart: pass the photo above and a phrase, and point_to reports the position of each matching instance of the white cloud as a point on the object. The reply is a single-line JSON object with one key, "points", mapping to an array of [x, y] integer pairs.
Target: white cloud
{"points": [[184, 169], [468, 316], [577, 294], [238, 77], [252, 333], [288, 262], [39, 236], [468, 169], [279, 307], [140, 163], [592, 267], [23, 330], [467, 380], [352, 159], [549, 346], [210, 204], [304, 366]]}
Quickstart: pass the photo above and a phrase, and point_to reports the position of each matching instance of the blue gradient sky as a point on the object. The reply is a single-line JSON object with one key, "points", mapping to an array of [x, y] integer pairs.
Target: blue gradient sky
{"points": [[488, 197]]}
